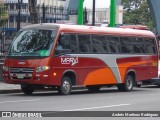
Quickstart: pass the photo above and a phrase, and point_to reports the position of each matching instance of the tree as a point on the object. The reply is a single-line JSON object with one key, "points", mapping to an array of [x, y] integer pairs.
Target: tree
{"points": [[137, 12], [3, 14], [33, 11], [3, 17]]}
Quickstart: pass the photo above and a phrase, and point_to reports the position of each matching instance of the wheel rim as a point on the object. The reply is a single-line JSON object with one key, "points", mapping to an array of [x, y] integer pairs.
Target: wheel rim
{"points": [[129, 83], [66, 86]]}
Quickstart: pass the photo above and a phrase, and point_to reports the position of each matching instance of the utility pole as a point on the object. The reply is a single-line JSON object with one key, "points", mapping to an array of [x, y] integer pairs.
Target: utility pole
{"points": [[113, 13], [19, 15], [80, 12], [44, 15], [93, 13]]}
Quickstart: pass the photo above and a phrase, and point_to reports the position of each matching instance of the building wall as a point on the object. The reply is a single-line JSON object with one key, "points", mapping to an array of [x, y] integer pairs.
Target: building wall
{"points": [[101, 14], [12, 7], [57, 3]]}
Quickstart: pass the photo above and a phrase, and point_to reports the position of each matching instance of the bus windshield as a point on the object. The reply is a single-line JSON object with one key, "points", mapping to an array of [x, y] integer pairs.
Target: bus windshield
{"points": [[33, 43]]}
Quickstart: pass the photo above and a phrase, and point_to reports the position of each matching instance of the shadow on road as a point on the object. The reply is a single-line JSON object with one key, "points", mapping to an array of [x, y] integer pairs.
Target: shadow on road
{"points": [[86, 92]]}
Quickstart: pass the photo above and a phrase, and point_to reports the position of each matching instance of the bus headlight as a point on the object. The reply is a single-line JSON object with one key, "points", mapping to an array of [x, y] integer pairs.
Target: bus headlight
{"points": [[5, 68], [42, 68]]}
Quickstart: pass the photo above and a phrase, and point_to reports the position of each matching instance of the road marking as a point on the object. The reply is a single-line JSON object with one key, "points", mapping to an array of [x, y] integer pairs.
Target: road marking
{"points": [[98, 107], [19, 101]]}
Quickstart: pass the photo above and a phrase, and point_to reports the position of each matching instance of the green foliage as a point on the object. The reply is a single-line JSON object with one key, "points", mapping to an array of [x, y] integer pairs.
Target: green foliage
{"points": [[137, 12], [3, 15]]}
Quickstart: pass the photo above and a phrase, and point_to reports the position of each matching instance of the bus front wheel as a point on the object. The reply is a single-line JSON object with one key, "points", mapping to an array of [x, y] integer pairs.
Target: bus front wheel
{"points": [[66, 86], [128, 85], [27, 89]]}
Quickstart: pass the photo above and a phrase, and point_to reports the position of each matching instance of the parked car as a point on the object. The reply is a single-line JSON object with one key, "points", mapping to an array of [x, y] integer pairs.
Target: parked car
{"points": [[153, 81]]}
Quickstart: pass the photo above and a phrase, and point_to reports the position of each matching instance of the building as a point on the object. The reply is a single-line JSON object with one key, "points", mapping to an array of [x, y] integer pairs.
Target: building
{"points": [[101, 14], [52, 11], [53, 3], [13, 9]]}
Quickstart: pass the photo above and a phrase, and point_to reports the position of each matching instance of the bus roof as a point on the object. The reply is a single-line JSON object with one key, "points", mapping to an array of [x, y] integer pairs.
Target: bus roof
{"points": [[92, 29], [138, 27]]}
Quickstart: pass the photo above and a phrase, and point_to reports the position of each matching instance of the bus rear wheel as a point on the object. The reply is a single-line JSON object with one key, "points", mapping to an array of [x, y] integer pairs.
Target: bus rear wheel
{"points": [[128, 85], [27, 89], [93, 88], [66, 86]]}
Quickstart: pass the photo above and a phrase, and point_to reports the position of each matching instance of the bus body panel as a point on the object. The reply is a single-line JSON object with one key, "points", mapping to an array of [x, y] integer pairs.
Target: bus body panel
{"points": [[144, 67]]}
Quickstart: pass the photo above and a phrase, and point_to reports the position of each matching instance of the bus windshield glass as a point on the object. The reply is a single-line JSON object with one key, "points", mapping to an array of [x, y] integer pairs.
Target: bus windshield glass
{"points": [[33, 43]]}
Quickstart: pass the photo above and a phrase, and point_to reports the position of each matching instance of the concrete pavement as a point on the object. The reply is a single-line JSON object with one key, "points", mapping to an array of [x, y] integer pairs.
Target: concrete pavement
{"points": [[8, 88]]}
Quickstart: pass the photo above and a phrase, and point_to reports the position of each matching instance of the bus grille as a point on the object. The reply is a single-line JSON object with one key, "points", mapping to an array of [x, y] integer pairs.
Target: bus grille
{"points": [[21, 73]]}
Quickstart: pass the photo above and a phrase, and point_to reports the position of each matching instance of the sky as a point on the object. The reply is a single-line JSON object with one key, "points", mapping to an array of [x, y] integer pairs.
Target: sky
{"points": [[99, 3]]}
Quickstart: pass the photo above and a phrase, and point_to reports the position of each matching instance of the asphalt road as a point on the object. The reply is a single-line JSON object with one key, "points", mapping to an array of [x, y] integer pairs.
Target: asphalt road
{"points": [[108, 99]]}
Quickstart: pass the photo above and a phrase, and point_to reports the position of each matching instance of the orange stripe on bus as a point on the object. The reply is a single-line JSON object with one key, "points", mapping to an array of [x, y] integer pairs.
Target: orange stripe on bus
{"points": [[100, 76]]}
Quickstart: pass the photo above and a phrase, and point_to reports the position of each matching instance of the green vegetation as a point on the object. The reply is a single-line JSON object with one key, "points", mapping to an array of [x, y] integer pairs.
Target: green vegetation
{"points": [[137, 12], [3, 15]]}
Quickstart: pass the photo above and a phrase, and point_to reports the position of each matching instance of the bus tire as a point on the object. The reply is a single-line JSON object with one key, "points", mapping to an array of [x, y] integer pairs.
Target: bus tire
{"points": [[27, 89], [128, 85], [93, 88], [66, 86]]}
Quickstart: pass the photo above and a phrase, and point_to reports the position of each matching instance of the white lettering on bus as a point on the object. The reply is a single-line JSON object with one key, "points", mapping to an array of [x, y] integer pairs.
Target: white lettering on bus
{"points": [[71, 61]]}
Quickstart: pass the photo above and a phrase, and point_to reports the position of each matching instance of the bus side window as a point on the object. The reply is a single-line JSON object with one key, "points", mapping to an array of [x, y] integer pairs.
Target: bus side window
{"points": [[99, 44], [84, 44], [114, 45], [139, 45], [74, 45], [63, 45], [126, 46], [150, 45], [64, 42]]}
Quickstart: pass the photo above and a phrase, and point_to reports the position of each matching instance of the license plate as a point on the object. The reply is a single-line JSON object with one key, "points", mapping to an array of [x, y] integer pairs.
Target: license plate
{"points": [[20, 76]]}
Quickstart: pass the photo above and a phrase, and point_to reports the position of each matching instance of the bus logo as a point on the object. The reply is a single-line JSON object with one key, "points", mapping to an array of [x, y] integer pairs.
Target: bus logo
{"points": [[21, 62], [68, 61]]}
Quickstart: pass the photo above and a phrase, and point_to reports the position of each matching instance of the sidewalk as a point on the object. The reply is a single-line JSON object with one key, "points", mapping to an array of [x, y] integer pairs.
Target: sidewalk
{"points": [[8, 88]]}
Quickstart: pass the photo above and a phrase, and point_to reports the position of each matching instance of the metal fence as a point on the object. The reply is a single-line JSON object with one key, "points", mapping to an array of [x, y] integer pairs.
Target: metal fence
{"points": [[22, 17]]}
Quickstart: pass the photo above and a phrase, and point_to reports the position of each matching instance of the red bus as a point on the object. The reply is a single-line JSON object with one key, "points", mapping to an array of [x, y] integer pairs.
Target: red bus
{"points": [[63, 56]]}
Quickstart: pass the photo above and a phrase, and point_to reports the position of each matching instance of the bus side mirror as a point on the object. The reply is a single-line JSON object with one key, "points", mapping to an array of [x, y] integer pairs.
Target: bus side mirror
{"points": [[62, 51]]}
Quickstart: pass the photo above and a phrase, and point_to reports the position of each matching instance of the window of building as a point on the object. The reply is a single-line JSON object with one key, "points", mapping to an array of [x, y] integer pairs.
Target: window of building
{"points": [[11, 19], [23, 19], [24, 6], [11, 6]]}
